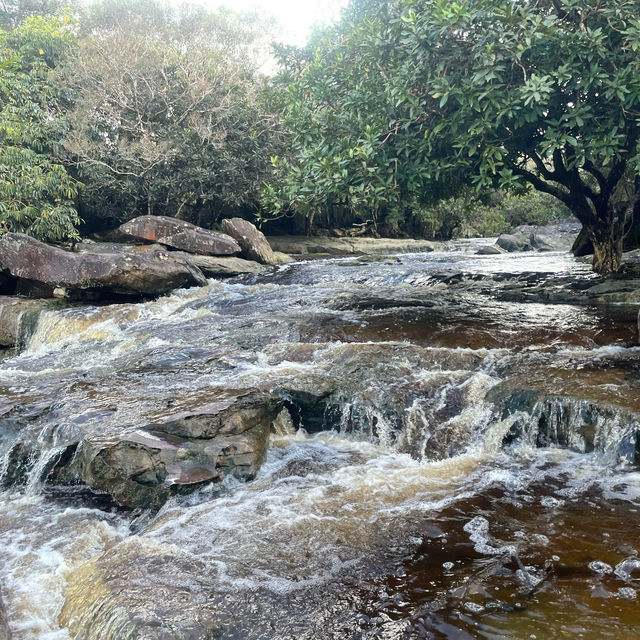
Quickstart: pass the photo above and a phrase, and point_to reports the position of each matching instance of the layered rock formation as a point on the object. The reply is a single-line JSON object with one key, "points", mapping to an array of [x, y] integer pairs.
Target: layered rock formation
{"points": [[181, 235]]}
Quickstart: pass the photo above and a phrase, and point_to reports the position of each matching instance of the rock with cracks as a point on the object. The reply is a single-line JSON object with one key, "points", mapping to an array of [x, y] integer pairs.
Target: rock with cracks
{"points": [[144, 467], [179, 234], [126, 273], [253, 243]]}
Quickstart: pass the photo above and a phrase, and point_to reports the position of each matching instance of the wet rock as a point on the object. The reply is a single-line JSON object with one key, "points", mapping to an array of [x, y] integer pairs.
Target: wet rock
{"points": [[283, 424], [553, 237], [512, 242], [7, 282], [181, 235], [216, 266], [543, 420], [347, 246], [143, 467], [140, 590], [128, 273], [211, 266], [18, 317], [490, 250], [5, 633], [252, 242]]}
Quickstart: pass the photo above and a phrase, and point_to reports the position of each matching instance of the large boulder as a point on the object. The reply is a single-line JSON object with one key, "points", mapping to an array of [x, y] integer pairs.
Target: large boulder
{"points": [[211, 266], [513, 242], [132, 272], [144, 467], [138, 589], [181, 235], [253, 243]]}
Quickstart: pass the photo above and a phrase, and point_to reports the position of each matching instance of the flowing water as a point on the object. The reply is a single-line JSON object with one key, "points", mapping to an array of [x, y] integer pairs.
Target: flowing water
{"points": [[464, 465]]}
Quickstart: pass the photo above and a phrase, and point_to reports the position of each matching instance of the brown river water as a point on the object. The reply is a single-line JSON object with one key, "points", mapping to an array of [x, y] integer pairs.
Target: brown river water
{"points": [[467, 468]]}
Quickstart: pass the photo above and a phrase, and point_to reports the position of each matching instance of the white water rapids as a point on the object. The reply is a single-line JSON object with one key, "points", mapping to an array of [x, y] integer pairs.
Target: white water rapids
{"points": [[422, 496]]}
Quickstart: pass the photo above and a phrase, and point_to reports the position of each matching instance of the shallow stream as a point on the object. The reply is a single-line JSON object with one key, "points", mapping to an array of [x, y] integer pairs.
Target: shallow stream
{"points": [[420, 496]]}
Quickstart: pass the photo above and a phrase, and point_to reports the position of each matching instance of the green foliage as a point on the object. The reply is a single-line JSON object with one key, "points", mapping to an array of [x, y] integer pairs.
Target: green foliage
{"points": [[36, 192], [169, 120], [403, 98], [467, 215]]}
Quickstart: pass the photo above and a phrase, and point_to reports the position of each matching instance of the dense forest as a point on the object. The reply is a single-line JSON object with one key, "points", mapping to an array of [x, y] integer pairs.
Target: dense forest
{"points": [[433, 119]]}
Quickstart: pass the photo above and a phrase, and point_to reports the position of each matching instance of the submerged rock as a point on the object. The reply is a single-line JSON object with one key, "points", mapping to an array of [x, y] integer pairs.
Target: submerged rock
{"points": [[127, 273], [5, 633], [181, 235], [143, 467], [543, 420], [253, 243], [140, 590]]}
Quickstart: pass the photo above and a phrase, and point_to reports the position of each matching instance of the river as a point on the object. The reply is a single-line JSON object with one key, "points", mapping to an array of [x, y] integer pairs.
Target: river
{"points": [[465, 465]]}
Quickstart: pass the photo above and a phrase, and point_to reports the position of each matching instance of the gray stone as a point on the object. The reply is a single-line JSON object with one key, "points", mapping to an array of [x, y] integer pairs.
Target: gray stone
{"points": [[181, 235], [144, 467], [511, 242], [216, 266], [490, 250], [149, 272], [253, 243]]}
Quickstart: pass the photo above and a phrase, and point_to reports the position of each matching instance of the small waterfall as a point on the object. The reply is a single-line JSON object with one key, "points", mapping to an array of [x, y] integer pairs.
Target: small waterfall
{"points": [[30, 459], [574, 423]]}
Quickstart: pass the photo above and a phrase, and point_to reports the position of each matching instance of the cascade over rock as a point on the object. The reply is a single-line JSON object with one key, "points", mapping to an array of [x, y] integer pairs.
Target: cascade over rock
{"points": [[18, 316], [125, 273], [143, 467], [253, 243], [181, 235]]}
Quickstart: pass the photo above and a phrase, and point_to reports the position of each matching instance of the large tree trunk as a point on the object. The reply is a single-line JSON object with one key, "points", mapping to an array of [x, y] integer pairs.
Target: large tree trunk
{"points": [[607, 246]]}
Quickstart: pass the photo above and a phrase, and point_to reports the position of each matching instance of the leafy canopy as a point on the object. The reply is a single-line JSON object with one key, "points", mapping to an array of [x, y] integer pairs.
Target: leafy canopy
{"points": [[405, 96], [36, 192]]}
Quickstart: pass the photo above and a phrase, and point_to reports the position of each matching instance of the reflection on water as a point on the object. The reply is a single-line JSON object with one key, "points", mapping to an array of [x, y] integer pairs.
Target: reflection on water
{"points": [[408, 518]]}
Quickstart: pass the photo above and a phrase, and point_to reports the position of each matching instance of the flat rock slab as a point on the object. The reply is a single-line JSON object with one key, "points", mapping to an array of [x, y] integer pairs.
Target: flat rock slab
{"points": [[181, 235], [221, 266], [211, 266], [125, 273], [303, 245]]}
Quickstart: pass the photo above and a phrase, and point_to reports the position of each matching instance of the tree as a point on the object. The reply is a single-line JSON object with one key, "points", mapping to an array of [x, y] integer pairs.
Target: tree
{"points": [[539, 92], [36, 192], [169, 119]]}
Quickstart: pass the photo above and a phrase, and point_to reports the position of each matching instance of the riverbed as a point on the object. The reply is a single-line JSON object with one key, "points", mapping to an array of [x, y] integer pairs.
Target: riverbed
{"points": [[464, 463]]}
